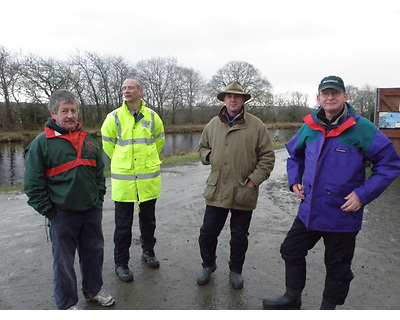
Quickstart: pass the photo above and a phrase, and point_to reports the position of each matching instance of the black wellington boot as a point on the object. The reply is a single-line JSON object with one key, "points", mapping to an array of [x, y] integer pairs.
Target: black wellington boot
{"points": [[291, 300]]}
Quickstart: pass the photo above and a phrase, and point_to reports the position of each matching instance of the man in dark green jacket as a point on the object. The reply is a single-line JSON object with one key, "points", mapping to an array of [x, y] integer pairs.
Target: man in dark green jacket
{"points": [[64, 182]]}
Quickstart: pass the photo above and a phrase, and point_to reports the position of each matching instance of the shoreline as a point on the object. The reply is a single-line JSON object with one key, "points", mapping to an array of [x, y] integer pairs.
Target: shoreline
{"points": [[27, 135]]}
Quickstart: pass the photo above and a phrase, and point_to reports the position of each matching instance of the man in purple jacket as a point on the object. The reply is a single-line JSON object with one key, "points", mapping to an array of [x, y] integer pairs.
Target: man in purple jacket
{"points": [[327, 171]]}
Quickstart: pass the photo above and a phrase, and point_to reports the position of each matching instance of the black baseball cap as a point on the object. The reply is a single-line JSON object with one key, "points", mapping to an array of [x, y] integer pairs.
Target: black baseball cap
{"points": [[332, 82]]}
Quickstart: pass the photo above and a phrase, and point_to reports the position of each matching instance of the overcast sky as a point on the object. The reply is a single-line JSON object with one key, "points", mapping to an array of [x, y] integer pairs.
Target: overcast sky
{"points": [[293, 43]]}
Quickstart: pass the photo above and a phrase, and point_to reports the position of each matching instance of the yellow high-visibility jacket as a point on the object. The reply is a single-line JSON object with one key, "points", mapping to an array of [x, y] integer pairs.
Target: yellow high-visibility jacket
{"points": [[134, 146]]}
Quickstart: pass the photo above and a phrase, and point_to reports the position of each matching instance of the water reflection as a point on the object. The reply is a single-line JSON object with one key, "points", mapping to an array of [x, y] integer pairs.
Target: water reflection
{"points": [[282, 134], [180, 142], [12, 162]]}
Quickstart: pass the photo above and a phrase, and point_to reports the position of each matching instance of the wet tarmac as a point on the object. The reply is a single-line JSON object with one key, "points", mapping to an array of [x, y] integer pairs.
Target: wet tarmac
{"points": [[26, 261]]}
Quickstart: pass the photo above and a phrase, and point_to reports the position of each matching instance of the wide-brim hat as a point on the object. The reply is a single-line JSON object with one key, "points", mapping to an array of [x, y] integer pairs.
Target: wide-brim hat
{"points": [[235, 88]]}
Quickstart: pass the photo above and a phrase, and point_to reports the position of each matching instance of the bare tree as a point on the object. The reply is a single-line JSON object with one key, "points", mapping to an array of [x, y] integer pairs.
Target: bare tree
{"points": [[9, 77], [88, 76], [280, 99], [119, 70], [42, 76], [80, 88], [194, 92], [249, 77], [101, 67], [363, 100], [298, 99], [188, 92], [177, 93], [176, 102], [157, 75]]}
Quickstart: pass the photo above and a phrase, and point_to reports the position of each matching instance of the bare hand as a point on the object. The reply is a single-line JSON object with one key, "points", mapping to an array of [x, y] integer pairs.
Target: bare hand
{"points": [[250, 184], [352, 204], [298, 190]]}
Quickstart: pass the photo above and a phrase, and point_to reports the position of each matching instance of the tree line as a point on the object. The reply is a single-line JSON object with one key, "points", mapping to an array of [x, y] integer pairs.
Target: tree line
{"points": [[178, 94]]}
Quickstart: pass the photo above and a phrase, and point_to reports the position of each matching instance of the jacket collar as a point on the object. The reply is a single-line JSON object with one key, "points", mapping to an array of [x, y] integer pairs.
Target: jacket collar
{"points": [[348, 111], [225, 118], [142, 104], [348, 119], [53, 130]]}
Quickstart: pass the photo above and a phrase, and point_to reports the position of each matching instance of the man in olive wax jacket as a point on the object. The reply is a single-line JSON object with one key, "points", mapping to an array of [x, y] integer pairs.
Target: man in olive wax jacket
{"points": [[238, 147]]}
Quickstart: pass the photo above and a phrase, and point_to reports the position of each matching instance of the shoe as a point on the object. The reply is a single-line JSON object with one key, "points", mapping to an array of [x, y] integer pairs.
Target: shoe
{"points": [[74, 307], [123, 273], [103, 299], [285, 302], [205, 275], [236, 280], [150, 260]]}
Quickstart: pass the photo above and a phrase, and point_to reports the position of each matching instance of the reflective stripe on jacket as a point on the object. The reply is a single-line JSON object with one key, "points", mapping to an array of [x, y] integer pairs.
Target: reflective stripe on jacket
{"points": [[133, 146], [77, 139], [63, 169]]}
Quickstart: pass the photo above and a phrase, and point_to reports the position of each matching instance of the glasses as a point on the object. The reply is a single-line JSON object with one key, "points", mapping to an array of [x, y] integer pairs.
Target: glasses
{"points": [[326, 94]]}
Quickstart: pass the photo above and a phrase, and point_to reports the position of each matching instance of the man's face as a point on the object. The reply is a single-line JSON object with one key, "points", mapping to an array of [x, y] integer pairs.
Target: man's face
{"points": [[332, 100], [131, 90], [234, 103], [66, 116]]}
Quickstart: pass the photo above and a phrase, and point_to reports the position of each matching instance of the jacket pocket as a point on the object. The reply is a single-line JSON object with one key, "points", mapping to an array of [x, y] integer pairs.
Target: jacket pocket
{"points": [[246, 196], [153, 163], [211, 186], [122, 158], [333, 199]]}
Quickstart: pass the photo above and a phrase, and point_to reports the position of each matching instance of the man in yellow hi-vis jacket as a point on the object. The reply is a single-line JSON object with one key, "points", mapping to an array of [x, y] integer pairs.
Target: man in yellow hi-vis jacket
{"points": [[133, 137]]}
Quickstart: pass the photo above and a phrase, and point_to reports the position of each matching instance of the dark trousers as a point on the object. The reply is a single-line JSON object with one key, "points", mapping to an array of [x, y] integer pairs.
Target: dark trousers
{"points": [[214, 221], [123, 229], [339, 252], [72, 231]]}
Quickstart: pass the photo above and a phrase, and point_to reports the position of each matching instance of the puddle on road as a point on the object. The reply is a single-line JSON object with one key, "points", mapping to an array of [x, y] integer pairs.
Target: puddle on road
{"points": [[171, 173]]}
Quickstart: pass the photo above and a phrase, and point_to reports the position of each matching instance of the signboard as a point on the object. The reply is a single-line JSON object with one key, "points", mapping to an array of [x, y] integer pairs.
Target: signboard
{"points": [[389, 120], [387, 114]]}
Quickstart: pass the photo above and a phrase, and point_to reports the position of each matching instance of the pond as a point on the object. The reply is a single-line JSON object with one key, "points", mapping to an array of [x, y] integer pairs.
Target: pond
{"points": [[12, 162]]}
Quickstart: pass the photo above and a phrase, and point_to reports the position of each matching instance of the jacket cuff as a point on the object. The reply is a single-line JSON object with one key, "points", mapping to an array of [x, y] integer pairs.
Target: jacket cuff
{"points": [[51, 214]]}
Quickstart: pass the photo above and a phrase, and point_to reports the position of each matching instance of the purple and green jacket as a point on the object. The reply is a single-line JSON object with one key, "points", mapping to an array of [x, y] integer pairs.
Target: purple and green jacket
{"points": [[330, 164]]}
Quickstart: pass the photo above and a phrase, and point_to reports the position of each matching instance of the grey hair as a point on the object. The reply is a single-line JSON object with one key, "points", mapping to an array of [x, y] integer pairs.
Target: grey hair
{"points": [[62, 95], [139, 83]]}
